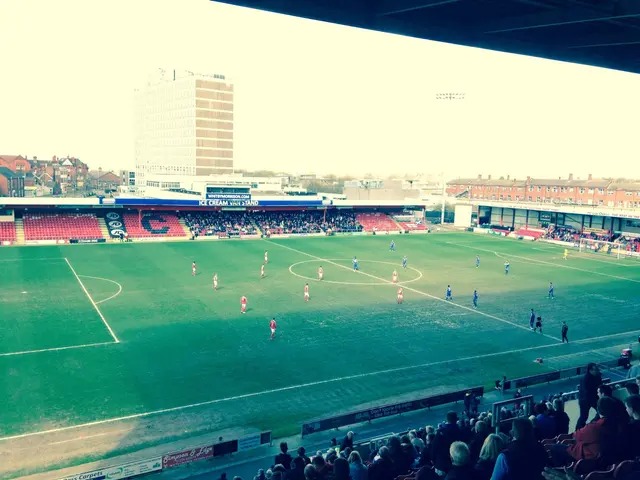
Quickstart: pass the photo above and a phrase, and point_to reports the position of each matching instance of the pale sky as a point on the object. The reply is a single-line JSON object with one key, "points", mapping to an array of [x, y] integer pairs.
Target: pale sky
{"points": [[309, 96]]}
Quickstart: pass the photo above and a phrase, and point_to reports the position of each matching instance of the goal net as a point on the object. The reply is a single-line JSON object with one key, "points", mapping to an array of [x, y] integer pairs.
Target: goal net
{"points": [[612, 249]]}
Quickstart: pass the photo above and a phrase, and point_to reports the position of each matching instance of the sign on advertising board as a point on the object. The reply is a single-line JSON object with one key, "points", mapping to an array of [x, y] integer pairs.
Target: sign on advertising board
{"points": [[247, 443], [187, 456], [121, 471], [237, 197]]}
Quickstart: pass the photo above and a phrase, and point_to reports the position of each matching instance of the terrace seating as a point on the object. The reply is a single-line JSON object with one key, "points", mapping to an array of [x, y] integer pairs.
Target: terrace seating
{"points": [[7, 232], [410, 226], [61, 226], [208, 224], [525, 232], [153, 224], [376, 221]]}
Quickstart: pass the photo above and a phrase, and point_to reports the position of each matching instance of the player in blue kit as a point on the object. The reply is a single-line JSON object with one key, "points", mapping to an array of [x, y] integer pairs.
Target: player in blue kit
{"points": [[355, 264], [551, 290], [448, 297], [506, 267], [404, 262], [477, 261], [475, 299], [532, 319], [392, 247]]}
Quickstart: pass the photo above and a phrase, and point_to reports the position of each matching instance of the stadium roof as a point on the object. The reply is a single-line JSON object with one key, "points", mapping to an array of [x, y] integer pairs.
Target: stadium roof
{"points": [[604, 33]]}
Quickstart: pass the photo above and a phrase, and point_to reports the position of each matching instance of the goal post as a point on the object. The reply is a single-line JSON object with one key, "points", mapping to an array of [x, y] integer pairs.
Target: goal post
{"points": [[613, 249]]}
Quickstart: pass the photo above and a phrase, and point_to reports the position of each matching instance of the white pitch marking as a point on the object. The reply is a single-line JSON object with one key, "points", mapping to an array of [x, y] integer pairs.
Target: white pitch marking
{"points": [[55, 349], [85, 438], [31, 259], [542, 262], [275, 390], [104, 320], [351, 283], [447, 302], [106, 280], [585, 256]]}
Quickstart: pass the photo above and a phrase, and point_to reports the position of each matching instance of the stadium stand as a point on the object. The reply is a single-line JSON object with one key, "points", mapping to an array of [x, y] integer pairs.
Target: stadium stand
{"points": [[465, 448], [277, 223], [218, 223], [154, 224], [61, 226], [7, 232], [376, 221]]}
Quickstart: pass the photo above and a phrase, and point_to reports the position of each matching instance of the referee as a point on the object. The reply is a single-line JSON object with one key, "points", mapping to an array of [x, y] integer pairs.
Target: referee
{"points": [[565, 329]]}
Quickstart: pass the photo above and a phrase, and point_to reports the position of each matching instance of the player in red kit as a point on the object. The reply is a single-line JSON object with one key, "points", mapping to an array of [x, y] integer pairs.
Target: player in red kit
{"points": [[320, 273], [215, 281], [243, 304], [400, 295], [306, 292], [262, 271], [193, 269], [394, 277], [266, 257], [272, 325]]}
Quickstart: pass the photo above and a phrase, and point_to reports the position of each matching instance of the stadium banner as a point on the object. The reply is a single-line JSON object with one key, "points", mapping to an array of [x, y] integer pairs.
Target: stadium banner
{"points": [[419, 232], [480, 230], [121, 471], [87, 240], [115, 224], [249, 237], [233, 197], [250, 442], [156, 202], [187, 456], [367, 415], [6, 243]]}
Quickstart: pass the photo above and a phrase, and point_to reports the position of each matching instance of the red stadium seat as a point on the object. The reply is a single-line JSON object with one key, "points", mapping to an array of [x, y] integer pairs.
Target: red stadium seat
{"points": [[153, 225], [7, 232], [378, 221], [61, 226]]}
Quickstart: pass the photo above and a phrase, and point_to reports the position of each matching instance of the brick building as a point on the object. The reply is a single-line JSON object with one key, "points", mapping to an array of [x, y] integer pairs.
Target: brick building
{"points": [[610, 193]]}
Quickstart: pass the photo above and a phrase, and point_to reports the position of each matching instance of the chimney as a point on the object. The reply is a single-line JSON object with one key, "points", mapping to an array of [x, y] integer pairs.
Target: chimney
{"points": [[590, 177], [488, 177], [571, 176], [528, 179], [508, 177], [480, 177]]}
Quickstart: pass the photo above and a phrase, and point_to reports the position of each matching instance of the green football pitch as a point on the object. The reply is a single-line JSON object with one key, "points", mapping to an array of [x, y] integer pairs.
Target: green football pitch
{"points": [[101, 332]]}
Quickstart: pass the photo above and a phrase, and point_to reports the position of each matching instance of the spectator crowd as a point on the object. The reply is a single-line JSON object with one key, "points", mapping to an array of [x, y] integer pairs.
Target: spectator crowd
{"points": [[466, 449]]}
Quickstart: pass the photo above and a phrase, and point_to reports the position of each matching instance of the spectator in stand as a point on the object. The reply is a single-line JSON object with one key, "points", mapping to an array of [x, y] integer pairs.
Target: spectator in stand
{"points": [[461, 467], [341, 469], [357, 469], [322, 470], [480, 434], [297, 469], [449, 433], [591, 441], [347, 442], [302, 453], [545, 425], [283, 458], [632, 404], [560, 417], [524, 458], [491, 448], [588, 393], [401, 460], [620, 413], [310, 473], [382, 467]]}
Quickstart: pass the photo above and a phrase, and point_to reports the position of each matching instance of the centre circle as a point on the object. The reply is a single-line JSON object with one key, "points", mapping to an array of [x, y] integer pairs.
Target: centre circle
{"points": [[329, 260]]}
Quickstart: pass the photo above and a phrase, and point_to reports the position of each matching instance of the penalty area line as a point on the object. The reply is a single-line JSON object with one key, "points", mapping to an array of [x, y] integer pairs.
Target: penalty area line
{"points": [[420, 292], [276, 390], [55, 349], [104, 320]]}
